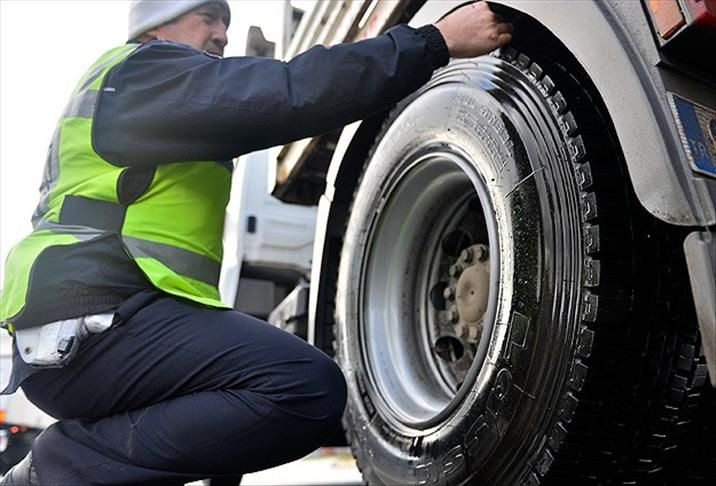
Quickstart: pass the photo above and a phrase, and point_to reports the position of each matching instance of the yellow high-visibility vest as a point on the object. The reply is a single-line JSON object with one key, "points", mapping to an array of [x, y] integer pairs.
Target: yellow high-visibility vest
{"points": [[169, 218]]}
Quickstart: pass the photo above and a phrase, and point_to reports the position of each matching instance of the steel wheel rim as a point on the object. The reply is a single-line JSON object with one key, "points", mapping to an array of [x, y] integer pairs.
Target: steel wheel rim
{"points": [[417, 385]]}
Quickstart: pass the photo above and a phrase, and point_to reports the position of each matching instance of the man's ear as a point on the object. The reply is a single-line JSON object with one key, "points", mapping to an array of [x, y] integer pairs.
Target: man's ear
{"points": [[152, 33], [146, 37], [155, 33]]}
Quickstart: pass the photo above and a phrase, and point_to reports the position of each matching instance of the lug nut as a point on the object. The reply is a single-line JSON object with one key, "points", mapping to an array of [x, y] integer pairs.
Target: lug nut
{"points": [[453, 316], [466, 255], [455, 270], [449, 293], [482, 253]]}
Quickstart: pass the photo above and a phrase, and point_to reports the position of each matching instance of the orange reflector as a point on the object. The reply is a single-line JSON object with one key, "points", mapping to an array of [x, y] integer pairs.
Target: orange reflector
{"points": [[667, 16], [703, 12], [2, 415]]}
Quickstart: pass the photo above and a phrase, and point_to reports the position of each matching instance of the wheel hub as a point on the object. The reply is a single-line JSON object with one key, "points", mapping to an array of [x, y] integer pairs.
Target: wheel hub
{"points": [[469, 291]]}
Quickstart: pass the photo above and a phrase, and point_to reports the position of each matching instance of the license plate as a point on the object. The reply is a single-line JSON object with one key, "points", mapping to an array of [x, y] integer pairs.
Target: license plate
{"points": [[697, 127]]}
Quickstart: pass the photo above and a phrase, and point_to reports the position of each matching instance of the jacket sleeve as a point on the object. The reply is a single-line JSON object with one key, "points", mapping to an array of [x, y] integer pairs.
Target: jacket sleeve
{"points": [[168, 102]]}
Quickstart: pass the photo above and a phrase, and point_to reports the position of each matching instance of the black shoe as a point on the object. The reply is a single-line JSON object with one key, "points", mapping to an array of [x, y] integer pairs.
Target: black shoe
{"points": [[22, 474]]}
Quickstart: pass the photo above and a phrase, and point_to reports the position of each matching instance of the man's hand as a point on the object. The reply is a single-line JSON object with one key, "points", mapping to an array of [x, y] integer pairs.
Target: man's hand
{"points": [[474, 30]]}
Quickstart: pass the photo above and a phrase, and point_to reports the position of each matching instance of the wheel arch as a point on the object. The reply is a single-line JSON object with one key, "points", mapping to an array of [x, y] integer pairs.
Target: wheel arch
{"points": [[341, 181], [635, 99]]}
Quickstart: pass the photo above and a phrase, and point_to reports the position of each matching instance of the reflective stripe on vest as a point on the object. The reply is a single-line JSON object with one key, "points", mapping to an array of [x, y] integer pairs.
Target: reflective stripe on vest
{"points": [[172, 229], [181, 261]]}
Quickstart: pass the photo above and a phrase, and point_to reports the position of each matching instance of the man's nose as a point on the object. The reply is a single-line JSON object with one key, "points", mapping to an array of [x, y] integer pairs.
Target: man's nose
{"points": [[219, 36]]}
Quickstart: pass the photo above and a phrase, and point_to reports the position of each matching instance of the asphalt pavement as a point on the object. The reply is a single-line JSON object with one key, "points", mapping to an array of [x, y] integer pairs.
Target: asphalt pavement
{"points": [[332, 466]]}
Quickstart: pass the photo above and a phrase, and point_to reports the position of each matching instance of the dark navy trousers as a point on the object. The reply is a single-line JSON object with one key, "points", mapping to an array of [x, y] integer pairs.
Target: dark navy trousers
{"points": [[179, 392]]}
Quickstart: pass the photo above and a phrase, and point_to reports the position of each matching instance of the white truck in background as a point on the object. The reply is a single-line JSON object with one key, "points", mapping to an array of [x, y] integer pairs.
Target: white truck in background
{"points": [[268, 244]]}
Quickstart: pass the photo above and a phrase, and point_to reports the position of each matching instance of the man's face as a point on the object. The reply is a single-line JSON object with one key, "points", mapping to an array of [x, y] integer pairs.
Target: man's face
{"points": [[203, 28]]}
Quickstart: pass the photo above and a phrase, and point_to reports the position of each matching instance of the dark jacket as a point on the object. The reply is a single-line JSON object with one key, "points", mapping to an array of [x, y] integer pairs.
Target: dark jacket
{"points": [[170, 102]]}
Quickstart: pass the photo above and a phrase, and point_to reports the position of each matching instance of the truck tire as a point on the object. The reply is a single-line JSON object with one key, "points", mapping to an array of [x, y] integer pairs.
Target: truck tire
{"points": [[491, 302], [696, 464]]}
